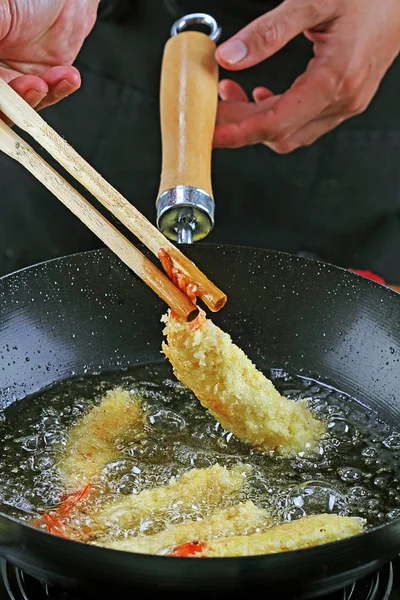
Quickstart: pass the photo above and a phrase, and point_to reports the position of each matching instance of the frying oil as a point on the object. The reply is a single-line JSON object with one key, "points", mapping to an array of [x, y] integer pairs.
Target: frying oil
{"points": [[354, 473]]}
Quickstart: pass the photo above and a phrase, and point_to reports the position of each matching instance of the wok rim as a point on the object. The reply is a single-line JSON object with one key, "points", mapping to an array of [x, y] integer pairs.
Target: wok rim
{"points": [[366, 281]]}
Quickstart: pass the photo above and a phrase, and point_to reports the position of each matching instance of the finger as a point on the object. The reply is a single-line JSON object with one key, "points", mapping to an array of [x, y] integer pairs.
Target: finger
{"points": [[233, 112], [61, 81], [312, 93], [31, 88], [269, 33], [307, 135], [236, 112], [56, 74], [261, 93], [230, 90]]}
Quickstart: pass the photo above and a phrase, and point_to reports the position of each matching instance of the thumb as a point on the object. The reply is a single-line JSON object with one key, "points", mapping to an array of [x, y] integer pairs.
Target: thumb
{"points": [[269, 33]]}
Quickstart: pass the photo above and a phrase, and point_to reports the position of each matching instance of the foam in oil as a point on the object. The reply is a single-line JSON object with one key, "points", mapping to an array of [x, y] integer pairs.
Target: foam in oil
{"points": [[354, 473]]}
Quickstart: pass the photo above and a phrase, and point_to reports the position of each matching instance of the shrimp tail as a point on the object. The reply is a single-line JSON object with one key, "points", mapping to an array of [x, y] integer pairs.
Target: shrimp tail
{"points": [[189, 549], [54, 525], [54, 521], [191, 290], [70, 501]]}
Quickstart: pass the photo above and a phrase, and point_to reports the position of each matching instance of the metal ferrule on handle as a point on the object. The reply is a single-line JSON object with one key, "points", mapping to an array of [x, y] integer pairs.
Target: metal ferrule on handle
{"points": [[188, 105], [185, 214]]}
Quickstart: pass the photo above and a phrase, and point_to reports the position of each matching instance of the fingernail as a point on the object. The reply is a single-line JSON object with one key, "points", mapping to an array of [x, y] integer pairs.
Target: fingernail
{"points": [[233, 51], [63, 88], [33, 97]]}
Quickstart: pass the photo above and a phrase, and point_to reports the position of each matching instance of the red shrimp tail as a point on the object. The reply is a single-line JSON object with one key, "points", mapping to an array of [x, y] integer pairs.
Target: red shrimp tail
{"points": [[191, 290], [175, 276], [189, 549], [166, 262], [70, 501], [55, 526], [54, 521], [181, 281]]}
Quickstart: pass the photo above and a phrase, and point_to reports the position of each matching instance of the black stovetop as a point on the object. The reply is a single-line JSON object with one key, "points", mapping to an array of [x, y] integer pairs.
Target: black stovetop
{"points": [[382, 585]]}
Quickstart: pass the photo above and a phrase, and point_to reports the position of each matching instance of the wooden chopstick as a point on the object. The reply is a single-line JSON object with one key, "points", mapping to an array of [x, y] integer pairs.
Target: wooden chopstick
{"points": [[20, 113], [18, 149]]}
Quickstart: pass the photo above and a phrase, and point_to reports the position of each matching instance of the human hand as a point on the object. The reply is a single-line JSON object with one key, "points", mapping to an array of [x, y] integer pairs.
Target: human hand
{"points": [[39, 40], [355, 42]]}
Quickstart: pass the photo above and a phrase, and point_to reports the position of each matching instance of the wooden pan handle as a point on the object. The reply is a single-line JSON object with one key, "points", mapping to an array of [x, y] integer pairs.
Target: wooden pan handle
{"points": [[188, 105]]}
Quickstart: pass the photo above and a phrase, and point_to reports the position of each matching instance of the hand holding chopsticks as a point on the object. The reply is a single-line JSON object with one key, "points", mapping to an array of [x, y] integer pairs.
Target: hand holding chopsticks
{"points": [[20, 113]]}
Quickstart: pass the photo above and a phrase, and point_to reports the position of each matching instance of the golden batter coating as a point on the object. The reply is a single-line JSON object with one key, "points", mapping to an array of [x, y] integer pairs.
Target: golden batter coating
{"points": [[92, 442], [303, 533], [241, 518], [240, 397], [197, 490]]}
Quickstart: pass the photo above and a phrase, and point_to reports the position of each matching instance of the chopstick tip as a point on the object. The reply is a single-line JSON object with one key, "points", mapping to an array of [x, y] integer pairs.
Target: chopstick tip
{"points": [[192, 315], [220, 303]]}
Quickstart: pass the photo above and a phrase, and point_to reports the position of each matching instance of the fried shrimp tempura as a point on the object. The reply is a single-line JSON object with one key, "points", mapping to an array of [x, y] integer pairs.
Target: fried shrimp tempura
{"points": [[304, 533], [197, 488], [91, 443], [242, 399], [241, 518]]}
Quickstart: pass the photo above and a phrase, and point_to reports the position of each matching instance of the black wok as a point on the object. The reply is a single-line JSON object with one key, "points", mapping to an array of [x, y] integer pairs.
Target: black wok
{"points": [[88, 313]]}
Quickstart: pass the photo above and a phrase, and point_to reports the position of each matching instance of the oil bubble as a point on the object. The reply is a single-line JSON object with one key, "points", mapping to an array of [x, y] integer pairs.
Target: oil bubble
{"points": [[349, 474], [316, 497]]}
